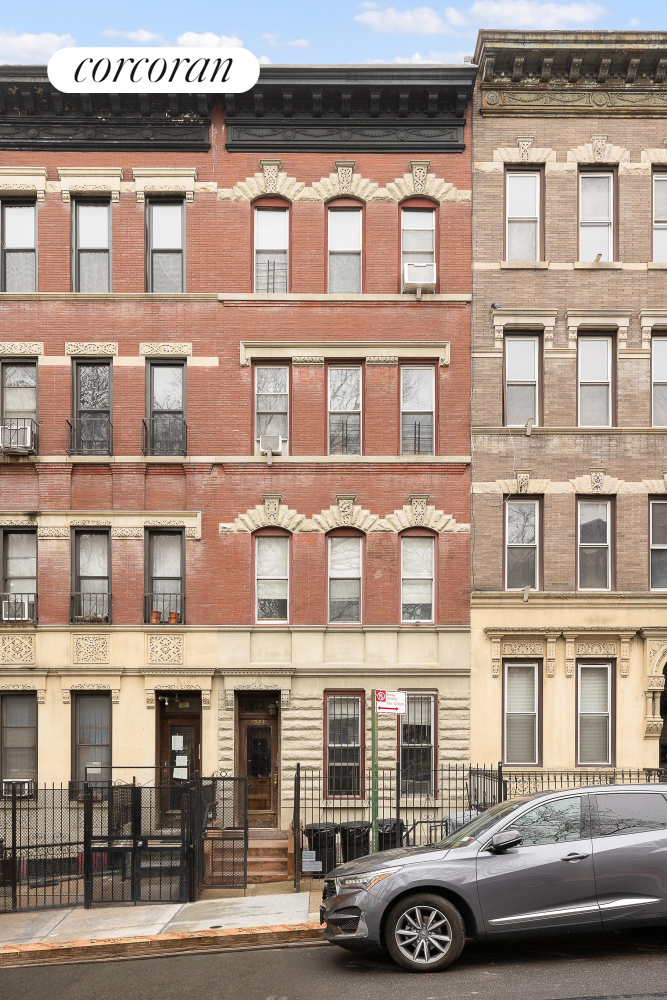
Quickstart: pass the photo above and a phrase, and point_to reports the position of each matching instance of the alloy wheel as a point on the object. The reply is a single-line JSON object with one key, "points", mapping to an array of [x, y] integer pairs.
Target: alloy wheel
{"points": [[423, 934]]}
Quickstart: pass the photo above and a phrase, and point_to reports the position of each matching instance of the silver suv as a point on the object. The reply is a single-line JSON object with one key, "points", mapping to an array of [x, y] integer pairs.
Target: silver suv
{"points": [[588, 859]]}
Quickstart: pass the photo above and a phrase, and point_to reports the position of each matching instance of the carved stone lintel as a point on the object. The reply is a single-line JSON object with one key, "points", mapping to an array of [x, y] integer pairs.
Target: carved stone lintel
{"points": [[523, 648], [373, 359], [166, 348], [136, 532], [345, 503], [284, 699], [21, 347], [418, 502], [522, 480], [524, 143], [597, 480], [419, 170], [270, 170], [272, 506], [88, 349], [596, 648], [308, 359], [345, 170]]}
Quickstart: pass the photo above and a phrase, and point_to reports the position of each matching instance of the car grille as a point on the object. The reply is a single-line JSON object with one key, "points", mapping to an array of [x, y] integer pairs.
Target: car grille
{"points": [[348, 926], [329, 888]]}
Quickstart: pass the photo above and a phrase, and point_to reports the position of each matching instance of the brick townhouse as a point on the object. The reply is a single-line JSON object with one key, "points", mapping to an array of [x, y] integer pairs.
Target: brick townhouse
{"points": [[569, 589], [235, 427]]}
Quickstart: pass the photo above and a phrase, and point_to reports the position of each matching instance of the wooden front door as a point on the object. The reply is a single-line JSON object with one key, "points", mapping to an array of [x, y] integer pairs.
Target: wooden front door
{"points": [[259, 758], [180, 754]]}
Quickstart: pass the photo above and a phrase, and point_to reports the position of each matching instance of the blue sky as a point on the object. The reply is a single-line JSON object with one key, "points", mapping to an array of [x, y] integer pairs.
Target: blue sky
{"points": [[303, 31]]}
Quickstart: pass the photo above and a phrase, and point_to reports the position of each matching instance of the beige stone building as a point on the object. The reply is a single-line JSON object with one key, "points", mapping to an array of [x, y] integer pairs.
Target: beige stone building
{"points": [[569, 599]]}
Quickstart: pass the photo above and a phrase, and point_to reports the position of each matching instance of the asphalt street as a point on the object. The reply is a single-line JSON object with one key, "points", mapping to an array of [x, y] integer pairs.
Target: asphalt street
{"points": [[615, 967]]}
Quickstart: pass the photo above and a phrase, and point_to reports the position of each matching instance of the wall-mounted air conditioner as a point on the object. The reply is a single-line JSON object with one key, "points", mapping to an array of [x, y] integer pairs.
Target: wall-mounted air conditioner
{"points": [[418, 277], [17, 610], [16, 439], [25, 788]]}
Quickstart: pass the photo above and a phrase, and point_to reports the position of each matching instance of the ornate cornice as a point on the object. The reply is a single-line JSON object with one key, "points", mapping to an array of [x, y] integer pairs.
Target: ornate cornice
{"points": [[345, 513]]}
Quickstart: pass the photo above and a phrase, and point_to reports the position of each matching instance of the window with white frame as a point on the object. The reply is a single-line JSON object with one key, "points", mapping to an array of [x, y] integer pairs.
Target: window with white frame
{"points": [[344, 410], [520, 715], [272, 403], [596, 213], [523, 216], [594, 381], [417, 244], [271, 244], [417, 729], [521, 360], [594, 713], [18, 243], [344, 747], [92, 242], [272, 577], [659, 545], [660, 217], [594, 545], [344, 250], [166, 246], [521, 539], [417, 561], [417, 409], [659, 377], [344, 578]]}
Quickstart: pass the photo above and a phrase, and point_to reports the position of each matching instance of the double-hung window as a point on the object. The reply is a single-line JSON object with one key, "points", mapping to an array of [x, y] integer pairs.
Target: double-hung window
{"points": [[18, 240], [417, 565], [523, 221], [18, 738], [18, 390], [165, 578], [19, 590], [344, 410], [417, 731], [165, 430], [271, 246], [596, 214], [659, 545], [166, 246], [521, 361], [91, 593], [272, 577], [344, 744], [92, 737], [521, 713], [417, 245], [660, 217], [659, 378], [594, 381], [344, 578], [344, 250], [91, 424], [594, 545], [272, 403], [92, 247], [594, 713], [417, 409], [521, 535]]}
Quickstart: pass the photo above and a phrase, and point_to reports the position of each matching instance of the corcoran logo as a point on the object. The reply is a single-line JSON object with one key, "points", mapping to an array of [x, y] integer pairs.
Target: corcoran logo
{"points": [[153, 70]]}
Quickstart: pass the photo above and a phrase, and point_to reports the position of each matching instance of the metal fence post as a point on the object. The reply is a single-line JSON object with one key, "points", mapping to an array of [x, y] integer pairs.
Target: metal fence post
{"points": [[14, 862], [296, 828], [501, 796], [374, 775], [399, 842], [87, 846]]}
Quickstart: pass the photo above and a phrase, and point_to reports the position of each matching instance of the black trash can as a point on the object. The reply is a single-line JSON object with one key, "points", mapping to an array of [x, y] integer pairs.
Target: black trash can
{"points": [[355, 839], [390, 834], [321, 838]]}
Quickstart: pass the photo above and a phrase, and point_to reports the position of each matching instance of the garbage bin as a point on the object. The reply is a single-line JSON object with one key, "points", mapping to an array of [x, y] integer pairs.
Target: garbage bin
{"points": [[390, 834], [354, 839], [321, 838]]}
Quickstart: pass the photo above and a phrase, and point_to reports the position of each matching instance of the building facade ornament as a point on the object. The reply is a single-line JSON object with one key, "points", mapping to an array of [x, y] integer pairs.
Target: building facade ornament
{"points": [[23, 180], [345, 503], [345, 170], [308, 359], [271, 506], [270, 170], [165, 349], [164, 648], [165, 180], [17, 648], [88, 349], [496, 639], [523, 649], [90, 181], [419, 170], [51, 532], [524, 143], [21, 348], [551, 655], [418, 502], [360, 187], [522, 480], [137, 532], [90, 648]]}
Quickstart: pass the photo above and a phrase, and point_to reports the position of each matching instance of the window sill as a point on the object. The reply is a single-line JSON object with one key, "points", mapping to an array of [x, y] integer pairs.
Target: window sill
{"points": [[657, 265], [529, 265], [601, 265]]}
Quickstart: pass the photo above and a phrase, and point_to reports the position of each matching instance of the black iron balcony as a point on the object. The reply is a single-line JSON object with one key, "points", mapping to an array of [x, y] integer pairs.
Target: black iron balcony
{"points": [[19, 609], [164, 609], [18, 436], [90, 609], [89, 436], [165, 434]]}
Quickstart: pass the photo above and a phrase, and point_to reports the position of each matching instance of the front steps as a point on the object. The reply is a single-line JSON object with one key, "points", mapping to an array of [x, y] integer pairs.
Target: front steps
{"points": [[267, 855]]}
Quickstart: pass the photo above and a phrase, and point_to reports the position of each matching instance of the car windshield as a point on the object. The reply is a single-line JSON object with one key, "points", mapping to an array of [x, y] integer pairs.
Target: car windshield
{"points": [[478, 826]]}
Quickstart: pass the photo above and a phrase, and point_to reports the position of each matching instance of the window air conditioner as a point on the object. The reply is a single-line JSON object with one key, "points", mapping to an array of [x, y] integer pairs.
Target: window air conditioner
{"points": [[17, 610], [24, 788], [270, 445], [419, 277], [16, 439]]}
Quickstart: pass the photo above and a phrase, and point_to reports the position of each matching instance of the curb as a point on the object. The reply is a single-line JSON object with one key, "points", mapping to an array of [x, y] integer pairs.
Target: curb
{"points": [[157, 944]]}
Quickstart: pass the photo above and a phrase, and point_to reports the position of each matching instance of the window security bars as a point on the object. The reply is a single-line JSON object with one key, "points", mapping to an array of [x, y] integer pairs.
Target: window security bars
{"points": [[344, 748], [417, 732], [90, 429]]}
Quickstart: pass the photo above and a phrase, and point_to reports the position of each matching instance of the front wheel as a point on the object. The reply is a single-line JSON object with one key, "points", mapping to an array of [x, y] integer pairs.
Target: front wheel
{"points": [[424, 933]]}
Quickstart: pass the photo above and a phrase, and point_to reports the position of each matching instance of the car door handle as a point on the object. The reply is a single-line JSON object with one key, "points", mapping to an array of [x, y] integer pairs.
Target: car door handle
{"points": [[575, 857]]}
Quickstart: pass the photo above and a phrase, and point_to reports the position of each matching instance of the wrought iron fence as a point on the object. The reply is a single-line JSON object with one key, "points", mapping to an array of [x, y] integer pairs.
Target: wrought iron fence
{"points": [[89, 436], [166, 434]]}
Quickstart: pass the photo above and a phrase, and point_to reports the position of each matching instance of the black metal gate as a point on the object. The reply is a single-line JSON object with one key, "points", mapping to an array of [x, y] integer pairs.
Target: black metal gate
{"points": [[222, 832]]}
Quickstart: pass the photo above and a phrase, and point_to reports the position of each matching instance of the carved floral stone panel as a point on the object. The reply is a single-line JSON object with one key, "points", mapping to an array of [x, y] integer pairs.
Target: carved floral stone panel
{"points": [[17, 648], [165, 648], [90, 648]]}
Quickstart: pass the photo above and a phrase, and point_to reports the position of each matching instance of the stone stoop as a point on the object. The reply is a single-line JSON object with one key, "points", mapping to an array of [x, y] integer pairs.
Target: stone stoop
{"points": [[267, 855]]}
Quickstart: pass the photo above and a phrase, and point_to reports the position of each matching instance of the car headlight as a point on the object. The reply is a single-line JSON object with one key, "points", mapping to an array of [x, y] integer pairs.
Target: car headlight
{"points": [[366, 880]]}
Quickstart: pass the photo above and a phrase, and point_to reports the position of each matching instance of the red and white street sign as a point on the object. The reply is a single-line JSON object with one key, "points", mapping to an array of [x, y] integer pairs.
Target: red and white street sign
{"points": [[392, 702]]}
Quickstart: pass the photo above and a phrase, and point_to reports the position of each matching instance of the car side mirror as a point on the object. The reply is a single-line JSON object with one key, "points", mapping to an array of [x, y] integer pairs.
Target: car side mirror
{"points": [[504, 840]]}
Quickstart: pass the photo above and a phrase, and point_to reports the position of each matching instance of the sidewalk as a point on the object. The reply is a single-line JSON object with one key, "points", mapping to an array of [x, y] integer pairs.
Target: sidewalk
{"points": [[74, 933]]}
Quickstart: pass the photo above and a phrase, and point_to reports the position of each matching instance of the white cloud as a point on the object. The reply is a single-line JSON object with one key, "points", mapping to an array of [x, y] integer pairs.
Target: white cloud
{"points": [[299, 43], [535, 15], [418, 21], [271, 39], [634, 22], [264, 61], [31, 49], [141, 35], [208, 39]]}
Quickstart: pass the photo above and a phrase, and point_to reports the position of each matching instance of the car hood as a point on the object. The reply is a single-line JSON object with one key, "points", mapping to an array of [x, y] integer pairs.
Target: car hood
{"points": [[387, 859]]}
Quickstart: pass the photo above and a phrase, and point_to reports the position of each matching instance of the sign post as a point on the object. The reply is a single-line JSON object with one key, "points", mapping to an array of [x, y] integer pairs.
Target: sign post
{"points": [[387, 703]]}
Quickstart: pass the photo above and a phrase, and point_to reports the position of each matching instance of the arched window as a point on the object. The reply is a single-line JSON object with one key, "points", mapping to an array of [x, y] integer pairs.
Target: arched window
{"points": [[271, 245], [418, 576], [272, 564], [345, 561]]}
